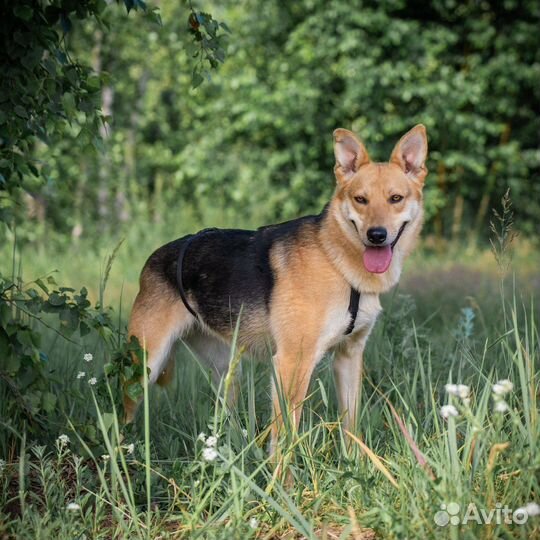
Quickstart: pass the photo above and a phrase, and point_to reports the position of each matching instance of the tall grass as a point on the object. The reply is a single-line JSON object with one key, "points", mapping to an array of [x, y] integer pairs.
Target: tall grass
{"points": [[168, 488], [191, 467]]}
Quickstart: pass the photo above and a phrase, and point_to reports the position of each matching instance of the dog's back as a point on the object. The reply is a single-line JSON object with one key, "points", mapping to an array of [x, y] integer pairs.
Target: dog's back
{"points": [[227, 274]]}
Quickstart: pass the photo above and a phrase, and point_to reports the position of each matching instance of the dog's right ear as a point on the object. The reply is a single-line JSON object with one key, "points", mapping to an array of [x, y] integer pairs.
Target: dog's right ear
{"points": [[350, 154]]}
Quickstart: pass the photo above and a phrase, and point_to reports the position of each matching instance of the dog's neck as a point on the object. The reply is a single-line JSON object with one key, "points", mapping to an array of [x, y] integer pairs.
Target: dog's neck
{"points": [[346, 254]]}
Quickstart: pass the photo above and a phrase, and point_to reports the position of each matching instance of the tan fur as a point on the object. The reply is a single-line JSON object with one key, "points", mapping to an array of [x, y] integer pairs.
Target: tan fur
{"points": [[313, 274], [157, 319]]}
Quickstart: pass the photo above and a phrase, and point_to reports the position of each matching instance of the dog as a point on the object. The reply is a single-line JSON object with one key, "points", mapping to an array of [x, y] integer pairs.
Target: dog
{"points": [[306, 287]]}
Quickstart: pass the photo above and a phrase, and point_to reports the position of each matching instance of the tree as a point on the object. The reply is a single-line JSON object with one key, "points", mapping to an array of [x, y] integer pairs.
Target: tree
{"points": [[49, 97], [256, 141], [47, 93]]}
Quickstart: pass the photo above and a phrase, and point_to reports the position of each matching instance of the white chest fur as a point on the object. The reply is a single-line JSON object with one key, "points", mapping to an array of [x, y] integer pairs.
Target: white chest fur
{"points": [[337, 320], [368, 311]]}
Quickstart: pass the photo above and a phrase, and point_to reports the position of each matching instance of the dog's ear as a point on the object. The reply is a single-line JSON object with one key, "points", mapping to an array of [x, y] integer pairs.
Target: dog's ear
{"points": [[350, 154], [410, 153]]}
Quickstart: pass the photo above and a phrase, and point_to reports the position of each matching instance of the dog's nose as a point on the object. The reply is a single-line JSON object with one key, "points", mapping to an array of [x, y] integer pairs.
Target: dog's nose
{"points": [[376, 235]]}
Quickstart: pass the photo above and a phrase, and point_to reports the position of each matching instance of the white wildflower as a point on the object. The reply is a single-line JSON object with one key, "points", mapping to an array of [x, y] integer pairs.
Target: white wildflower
{"points": [[448, 410], [196, 483], [88, 357], [62, 440], [73, 507], [254, 523], [92, 381], [130, 448], [209, 454], [81, 374], [532, 509], [211, 441], [500, 406], [201, 437], [500, 388], [105, 457], [245, 433], [461, 391]]}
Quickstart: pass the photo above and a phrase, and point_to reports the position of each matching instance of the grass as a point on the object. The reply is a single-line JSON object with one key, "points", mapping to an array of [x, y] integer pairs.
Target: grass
{"points": [[405, 464]]}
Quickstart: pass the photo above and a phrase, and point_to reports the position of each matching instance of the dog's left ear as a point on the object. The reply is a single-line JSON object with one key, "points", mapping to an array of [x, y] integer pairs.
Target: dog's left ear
{"points": [[410, 153]]}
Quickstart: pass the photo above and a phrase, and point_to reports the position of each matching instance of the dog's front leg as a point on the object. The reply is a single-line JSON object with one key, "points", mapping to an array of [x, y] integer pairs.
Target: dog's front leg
{"points": [[348, 364], [292, 375]]}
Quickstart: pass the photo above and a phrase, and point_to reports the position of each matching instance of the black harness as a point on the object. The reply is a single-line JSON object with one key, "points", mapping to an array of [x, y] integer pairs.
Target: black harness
{"points": [[179, 268], [353, 301], [353, 309]]}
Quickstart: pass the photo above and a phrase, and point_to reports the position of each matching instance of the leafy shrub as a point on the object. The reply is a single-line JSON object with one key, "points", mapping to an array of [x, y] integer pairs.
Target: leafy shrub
{"points": [[24, 374]]}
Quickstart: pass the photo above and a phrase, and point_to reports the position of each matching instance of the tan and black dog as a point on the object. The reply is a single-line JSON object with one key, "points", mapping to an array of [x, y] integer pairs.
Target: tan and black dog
{"points": [[306, 286]]}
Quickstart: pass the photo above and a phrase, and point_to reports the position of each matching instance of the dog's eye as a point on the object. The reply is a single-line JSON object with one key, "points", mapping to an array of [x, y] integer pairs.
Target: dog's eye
{"points": [[396, 198], [361, 200]]}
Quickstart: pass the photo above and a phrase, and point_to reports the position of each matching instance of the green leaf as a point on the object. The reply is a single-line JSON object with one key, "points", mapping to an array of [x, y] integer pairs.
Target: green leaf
{"points": [[197, 79], [5, 314], [5, 345], [48, 401], [68, 102], [134, 391], [65, 22], [24, 12], [26, 338], [42, 286], [93, 83], [70, 318], [20, 111], [109, 368], [66, 289], [108, 420], [128, 373], [56, 299], [50, 66], [12, 363], [84, 329]]}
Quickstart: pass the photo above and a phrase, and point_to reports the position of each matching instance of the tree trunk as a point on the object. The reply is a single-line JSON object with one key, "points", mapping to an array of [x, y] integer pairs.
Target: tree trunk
{"points": [[483, 207], [458, 216], [107, 99], [132, 178], [438, 222]]}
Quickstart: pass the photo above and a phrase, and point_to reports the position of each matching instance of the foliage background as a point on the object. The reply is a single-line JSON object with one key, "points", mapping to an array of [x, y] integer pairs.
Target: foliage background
{"points": [[253, 144]]}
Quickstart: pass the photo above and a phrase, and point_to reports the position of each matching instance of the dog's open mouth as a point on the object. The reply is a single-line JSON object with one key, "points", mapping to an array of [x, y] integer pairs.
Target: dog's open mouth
{"points": [[378, 259]]}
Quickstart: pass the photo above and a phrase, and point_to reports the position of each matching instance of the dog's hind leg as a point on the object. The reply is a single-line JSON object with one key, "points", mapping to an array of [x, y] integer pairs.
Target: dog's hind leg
{"points": [[158, 319], [215, 354]]}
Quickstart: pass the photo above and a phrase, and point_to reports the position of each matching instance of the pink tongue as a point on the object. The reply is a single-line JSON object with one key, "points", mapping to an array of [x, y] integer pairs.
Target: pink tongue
{"points": [[377, 259]]}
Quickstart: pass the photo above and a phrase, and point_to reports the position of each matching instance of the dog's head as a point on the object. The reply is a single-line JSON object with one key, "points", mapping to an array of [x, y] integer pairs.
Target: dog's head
{"points": [[380, 204]]}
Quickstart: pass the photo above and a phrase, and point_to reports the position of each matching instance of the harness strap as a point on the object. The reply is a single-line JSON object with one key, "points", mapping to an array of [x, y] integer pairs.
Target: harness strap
{"points": [[179, 279], [353, 309]]}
